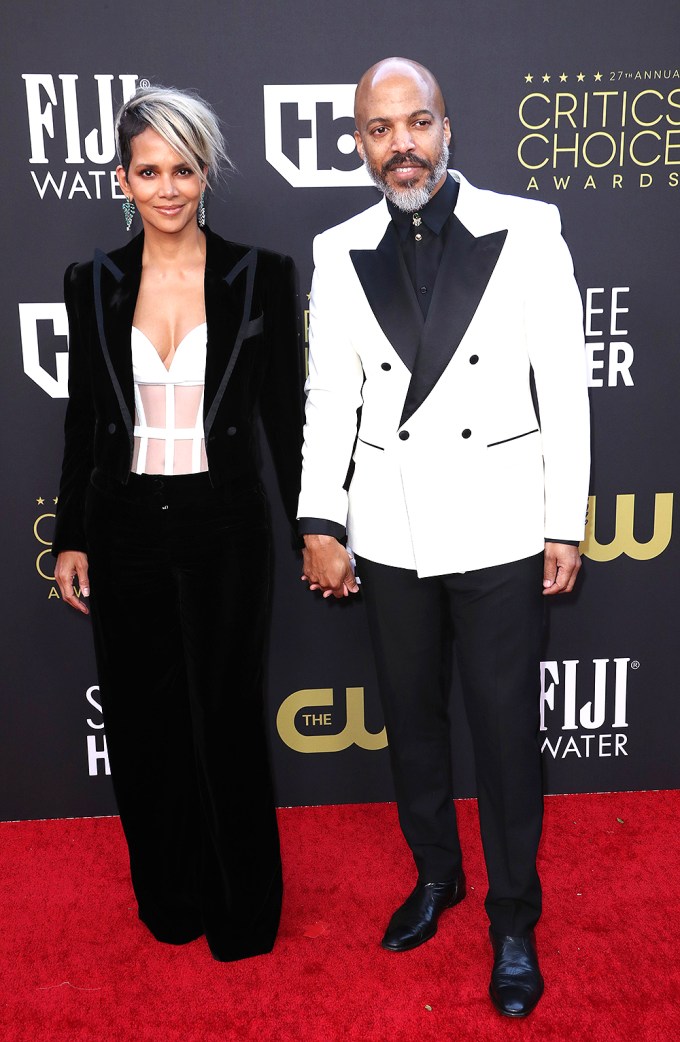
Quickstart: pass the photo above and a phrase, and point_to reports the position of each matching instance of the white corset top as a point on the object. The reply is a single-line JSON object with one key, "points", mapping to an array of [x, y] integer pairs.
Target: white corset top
{"points": [[168, 428]]}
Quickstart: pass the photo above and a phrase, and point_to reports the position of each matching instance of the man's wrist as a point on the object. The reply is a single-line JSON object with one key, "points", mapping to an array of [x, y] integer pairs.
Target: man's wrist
{"points": [[321, 526]]}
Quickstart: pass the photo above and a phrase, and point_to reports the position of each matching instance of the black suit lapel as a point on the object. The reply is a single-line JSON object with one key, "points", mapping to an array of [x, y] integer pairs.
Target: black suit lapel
{"points": [[116, 287], [466, 266], [388, 289], [228, 306]]}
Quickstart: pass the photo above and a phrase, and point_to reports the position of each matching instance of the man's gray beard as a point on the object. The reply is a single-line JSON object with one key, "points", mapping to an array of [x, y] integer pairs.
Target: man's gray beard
{"points": [[410, 199]]}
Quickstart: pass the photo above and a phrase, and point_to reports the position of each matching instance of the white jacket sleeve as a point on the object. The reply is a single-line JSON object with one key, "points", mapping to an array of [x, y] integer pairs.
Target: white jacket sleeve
{"points": [[333, 388]]}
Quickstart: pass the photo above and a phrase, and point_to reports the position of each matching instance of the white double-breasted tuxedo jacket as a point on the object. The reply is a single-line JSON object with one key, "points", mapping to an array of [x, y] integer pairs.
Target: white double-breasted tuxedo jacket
{"points": [[454, 467]]}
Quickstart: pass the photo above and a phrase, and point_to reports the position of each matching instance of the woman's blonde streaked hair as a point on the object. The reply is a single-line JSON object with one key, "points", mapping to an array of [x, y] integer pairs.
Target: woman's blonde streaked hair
{"points": [[183, 119]]}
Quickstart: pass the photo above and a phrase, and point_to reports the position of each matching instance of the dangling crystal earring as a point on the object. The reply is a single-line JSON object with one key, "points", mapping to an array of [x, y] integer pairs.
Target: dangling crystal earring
{"points": [[200, 213], [128, 212]]}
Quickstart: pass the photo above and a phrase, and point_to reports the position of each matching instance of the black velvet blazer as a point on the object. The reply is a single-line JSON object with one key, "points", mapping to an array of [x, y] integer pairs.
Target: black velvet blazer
{"points": [[254, 363]]}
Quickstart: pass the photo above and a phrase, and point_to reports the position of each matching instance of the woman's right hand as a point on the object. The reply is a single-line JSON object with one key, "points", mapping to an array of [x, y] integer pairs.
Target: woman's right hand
{"points": [[71, 564]]}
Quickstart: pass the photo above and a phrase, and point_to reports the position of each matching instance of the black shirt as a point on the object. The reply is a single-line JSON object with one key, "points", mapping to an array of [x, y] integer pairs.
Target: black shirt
{"points": [[423, 236]]}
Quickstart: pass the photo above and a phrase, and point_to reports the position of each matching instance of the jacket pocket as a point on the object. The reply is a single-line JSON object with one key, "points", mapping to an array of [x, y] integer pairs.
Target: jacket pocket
{"points": [[371, 444], [504, 441]]}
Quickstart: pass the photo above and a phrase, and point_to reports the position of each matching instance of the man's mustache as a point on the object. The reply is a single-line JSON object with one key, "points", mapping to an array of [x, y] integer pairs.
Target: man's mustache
{"points": [[406, 160]]}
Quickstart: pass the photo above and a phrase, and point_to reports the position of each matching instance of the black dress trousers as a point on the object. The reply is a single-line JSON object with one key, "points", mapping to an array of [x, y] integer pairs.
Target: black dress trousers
{"points": [[180, 577], [495, 618]]}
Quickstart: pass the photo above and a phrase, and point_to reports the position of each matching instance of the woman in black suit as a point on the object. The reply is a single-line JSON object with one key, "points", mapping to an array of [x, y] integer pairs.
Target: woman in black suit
{"points": [[176, 342]]}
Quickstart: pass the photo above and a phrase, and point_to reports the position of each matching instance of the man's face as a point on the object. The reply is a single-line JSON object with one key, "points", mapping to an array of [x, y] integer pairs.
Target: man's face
{"points": [[403, 138]]}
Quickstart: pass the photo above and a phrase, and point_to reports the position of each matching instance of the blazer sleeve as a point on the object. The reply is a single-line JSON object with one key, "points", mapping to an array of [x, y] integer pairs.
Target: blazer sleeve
{"points": [[79, 424], [333, 390], [554, 325], [281, 393]]}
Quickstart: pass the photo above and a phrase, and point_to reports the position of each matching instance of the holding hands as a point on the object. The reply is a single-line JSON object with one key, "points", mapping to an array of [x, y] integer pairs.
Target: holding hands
{"points": [[328, 566]]}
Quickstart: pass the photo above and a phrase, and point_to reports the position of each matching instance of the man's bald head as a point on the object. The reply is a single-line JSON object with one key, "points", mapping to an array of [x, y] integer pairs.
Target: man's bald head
{"points": [[391, 70], [402, 132]]}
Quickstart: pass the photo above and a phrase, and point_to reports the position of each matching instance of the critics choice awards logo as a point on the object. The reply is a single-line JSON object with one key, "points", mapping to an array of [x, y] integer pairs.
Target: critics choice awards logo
{"points": [[610, 128]]}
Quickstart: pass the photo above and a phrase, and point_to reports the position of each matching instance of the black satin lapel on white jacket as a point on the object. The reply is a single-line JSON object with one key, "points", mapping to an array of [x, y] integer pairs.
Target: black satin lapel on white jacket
{"points": [[388, 289], [466, 266]]}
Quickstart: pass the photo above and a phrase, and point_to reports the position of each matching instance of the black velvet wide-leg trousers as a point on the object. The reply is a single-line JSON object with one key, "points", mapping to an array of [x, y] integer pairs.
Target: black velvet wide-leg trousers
{"points": [[494, 616], [180, 577]]}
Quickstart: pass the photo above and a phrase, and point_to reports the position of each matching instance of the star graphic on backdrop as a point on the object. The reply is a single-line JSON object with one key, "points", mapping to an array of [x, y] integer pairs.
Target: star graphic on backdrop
{"points": [[581, 76], [55, 500], [598, 76], [40, 501], [528, 78], [563, 77], [546, 77]]}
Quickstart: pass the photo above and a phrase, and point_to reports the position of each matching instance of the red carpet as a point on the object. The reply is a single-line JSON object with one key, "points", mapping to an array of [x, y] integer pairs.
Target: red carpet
{"points": [[76, 963]]}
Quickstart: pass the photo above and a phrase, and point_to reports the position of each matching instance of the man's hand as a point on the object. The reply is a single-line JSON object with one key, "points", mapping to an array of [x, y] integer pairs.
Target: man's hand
{"points": [[72, 563], [327, 567], [561, 565]]}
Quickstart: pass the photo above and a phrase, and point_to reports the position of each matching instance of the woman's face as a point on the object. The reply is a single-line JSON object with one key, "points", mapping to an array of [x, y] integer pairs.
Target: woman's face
{"points": [[165, 190]]}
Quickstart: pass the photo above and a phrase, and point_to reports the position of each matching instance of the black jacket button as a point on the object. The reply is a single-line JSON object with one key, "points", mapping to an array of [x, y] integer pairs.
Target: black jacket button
{"points": [[111, 428], [474, 359], [231, 431], [386, 366], [467, 433], [404, 435]]}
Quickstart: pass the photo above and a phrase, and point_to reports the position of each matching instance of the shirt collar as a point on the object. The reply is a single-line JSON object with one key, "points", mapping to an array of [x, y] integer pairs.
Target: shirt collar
{"points": [[434, 214]]}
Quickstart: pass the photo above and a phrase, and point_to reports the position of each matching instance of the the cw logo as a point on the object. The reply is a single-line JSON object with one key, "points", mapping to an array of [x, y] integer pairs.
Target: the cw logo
{"points": [[624, 541], [308, 131], [354, 732]]}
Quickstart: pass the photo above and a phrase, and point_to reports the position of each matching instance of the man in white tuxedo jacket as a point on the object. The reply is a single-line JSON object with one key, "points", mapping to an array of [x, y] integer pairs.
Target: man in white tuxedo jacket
{"points": [[461, 492]]}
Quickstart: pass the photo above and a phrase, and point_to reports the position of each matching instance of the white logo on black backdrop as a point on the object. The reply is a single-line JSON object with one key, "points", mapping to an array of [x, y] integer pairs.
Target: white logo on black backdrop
{"points": [[609, 360], [60, 114], [309, 134], [97, 750], [584, 707], [41, 326]]}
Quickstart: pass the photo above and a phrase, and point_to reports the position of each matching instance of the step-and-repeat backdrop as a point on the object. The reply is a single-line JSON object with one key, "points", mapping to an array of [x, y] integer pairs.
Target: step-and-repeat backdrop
{"points": [[577, 104]]}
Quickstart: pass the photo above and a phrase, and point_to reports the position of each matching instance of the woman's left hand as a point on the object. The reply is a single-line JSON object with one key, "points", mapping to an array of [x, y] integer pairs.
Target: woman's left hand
{"points": [[72, 564]]}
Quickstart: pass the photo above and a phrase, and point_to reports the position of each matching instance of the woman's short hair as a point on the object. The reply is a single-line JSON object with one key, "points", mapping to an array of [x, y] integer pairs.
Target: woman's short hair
{"points": [[180, 117]]}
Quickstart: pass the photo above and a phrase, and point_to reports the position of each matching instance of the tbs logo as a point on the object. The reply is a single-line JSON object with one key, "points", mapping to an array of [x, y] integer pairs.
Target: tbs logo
{"points": [[309, 134]]}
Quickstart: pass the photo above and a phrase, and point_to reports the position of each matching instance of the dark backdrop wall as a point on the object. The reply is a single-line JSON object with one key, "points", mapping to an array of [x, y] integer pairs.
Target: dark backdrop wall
{"points": [[573, 103]]}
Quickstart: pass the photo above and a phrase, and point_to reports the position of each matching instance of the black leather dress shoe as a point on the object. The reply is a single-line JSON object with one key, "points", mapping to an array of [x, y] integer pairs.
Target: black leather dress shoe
{"points": [[416, 920], [516, 981]]}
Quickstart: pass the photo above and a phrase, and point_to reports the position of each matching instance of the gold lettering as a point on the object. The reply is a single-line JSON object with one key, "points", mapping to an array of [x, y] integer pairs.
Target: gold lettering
{"points": [[38, 564], [669, 146], [633, 108], [599, 134], [566, 112], [641, 162], [624, 541], [533, 126], [354, 732], [520, 150], [675, 104]]}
